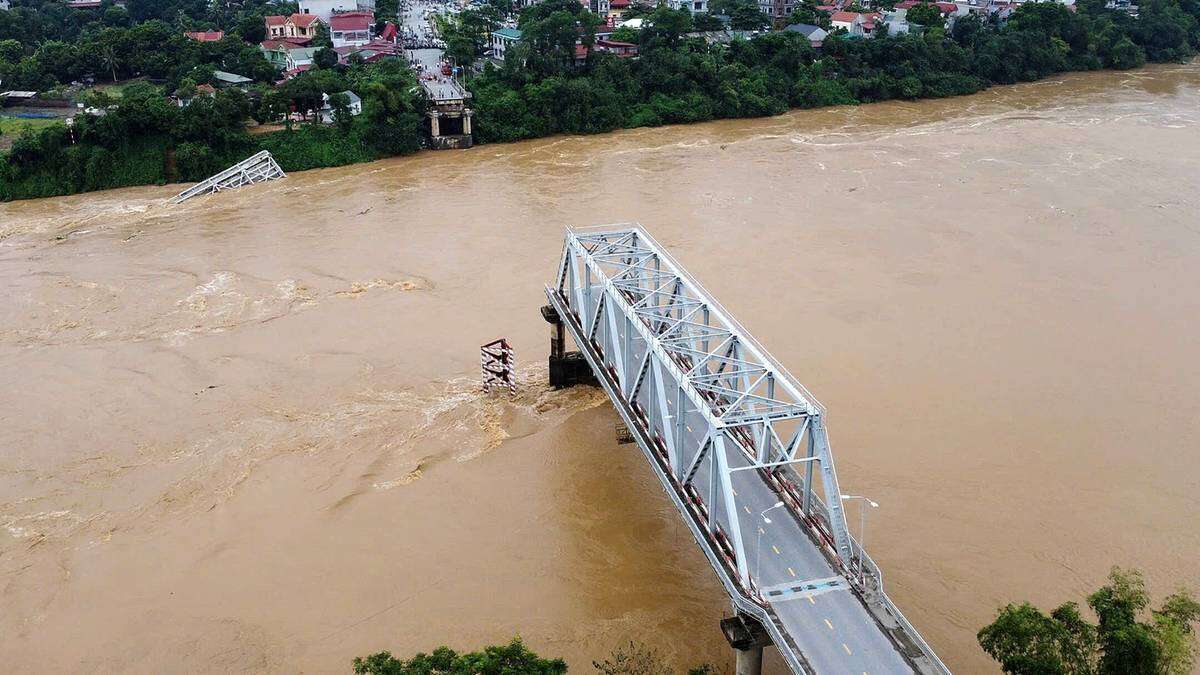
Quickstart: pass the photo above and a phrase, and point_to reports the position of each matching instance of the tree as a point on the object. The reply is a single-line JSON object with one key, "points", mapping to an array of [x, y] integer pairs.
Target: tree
{"points": [[743, 14], [322, 38], [633, 659], [508, 659], [108, 58], [924, 14], [325, 58], [807, 12], [11, 51], [1027, 642], [340, 104], [251, 28]]}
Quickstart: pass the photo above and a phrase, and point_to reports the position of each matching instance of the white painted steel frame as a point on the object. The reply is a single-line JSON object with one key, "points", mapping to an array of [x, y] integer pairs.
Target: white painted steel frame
{"points": [[663, 349], [259, 167], [663, 336]]}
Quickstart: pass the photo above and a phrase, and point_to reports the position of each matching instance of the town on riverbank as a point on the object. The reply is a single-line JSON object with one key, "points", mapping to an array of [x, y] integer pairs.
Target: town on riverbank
{"points": [[101, 93]]}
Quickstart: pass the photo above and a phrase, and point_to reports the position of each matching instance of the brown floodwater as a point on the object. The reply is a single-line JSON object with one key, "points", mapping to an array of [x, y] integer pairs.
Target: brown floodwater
{"points": [[244, 434]]}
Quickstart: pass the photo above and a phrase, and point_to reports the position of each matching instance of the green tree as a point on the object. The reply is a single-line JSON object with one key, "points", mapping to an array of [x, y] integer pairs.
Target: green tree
{"points": [[11, 51], [325, 58], [508, 659], [743, 14], [924, 14], [339, 103], [808, 13], [1027, 642]]}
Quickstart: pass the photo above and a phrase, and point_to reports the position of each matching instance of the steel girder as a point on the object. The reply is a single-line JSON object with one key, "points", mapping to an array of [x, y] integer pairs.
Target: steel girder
{"points": [[713, 399]]}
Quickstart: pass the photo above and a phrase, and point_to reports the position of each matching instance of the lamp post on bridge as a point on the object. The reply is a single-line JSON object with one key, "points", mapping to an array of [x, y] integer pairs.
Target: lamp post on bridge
{"points": [[862, 527], [758, 541]]}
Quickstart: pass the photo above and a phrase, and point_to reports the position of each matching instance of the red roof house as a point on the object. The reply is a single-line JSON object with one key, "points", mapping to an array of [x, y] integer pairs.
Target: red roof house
{"points": [[351, 21], [303, 26], [206, 35], [351, 28]]}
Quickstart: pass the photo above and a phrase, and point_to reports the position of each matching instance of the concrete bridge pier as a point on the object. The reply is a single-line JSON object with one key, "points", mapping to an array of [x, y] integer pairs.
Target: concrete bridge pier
{"points": [[747, 637], [567, 369]]}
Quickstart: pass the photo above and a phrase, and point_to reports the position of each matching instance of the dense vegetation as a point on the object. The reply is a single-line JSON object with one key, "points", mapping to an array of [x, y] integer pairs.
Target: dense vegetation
{"points": [[539, 90], [45, 43], [680, 79], [513, 659], [1025, 641], [147, 138]]}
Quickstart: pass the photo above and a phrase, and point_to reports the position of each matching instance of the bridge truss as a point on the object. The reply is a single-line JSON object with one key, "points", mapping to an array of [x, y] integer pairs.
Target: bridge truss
{"points": [[722, 421]]}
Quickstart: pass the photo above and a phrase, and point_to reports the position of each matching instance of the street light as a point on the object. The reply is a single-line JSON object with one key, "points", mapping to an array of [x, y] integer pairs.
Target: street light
{"points": [[862, 527], [758, 540]]}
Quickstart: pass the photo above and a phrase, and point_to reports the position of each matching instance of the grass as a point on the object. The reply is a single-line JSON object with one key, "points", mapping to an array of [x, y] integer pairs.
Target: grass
{"points": [[13, 125], [116, 90]]}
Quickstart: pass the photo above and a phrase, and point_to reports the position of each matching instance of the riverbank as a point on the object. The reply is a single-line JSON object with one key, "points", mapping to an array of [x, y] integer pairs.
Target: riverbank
{"points": [[675, 79]]}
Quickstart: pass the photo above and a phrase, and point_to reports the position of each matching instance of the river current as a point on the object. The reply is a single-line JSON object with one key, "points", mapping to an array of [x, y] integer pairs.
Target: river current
{"points": [[244, 433]]}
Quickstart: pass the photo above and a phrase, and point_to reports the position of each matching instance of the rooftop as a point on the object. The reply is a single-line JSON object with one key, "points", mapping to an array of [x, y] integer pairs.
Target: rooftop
{"points": [[511, 33], [206, 35], [231, 78], [351, 21]]}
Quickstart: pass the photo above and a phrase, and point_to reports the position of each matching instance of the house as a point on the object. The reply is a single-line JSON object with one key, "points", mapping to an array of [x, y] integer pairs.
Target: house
{"points": [[814, 34], [294, 27], [612, 10], [326, 111], [8, 98], [206, 35], [300, 57], [501, 40], [201, 90], [4, 5], [946, 8], [351, 29], [371, 52], [896, 22], [622, 49], [390, 33], [84, 4], [693, 6], [776, 9], [856, 24], [226, 80], [276, 51], [293, 72], [327, 8]]}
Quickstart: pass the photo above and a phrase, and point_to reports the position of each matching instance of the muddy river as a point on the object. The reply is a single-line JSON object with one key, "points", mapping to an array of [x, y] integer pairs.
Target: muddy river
{"points": [[244, 433]]}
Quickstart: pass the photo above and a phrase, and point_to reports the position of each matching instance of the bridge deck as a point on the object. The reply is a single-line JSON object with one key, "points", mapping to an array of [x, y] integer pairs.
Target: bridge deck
{"points": [[724, 426]]}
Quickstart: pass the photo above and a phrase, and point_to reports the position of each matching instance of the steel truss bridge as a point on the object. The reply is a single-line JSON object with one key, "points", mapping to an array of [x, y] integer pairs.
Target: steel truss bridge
{"points": [[738, 444]]}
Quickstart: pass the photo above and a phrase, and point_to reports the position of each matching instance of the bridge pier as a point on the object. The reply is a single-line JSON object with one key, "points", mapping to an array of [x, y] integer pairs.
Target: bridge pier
{"points": [[567, 369], [747, 637]]}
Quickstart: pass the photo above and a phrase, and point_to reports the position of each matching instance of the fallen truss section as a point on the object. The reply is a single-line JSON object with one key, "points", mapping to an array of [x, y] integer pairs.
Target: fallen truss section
{"points": [[254, 169]]}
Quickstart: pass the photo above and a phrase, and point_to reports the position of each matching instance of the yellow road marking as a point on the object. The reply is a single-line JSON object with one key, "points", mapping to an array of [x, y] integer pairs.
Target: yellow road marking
{"points": [[847, 649], [791, 571], [773, 548], [828, 624]]}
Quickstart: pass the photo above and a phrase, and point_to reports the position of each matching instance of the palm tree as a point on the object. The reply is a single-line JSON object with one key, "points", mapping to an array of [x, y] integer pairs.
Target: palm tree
{"points": [[108, 57]]}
